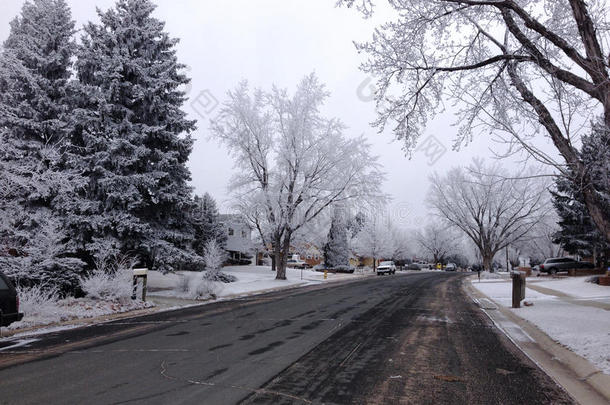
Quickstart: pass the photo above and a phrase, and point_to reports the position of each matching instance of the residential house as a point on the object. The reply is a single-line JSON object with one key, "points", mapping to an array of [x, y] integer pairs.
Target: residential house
{"points": [[311, 254], [239, 238]]}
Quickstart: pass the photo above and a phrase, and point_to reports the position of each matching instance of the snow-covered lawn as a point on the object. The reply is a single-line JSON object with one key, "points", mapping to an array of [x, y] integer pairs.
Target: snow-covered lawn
{"points": [[576, 287], [250, 279], [76, 308], [501, 292], [583, 329]]}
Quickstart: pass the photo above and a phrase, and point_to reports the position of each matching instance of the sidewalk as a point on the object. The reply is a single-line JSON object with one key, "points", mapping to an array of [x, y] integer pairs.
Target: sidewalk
{"points": [[566, 331]]}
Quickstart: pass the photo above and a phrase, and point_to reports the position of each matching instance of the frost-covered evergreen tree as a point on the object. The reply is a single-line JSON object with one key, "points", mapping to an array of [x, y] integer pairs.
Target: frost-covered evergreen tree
{"points": [[336, 249], [205, 222], [134, 137], [34, 123], [578, 234]]}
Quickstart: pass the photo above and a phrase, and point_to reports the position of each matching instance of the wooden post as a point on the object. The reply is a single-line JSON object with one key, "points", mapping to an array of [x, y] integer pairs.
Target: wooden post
{"points": [[144, 279]]}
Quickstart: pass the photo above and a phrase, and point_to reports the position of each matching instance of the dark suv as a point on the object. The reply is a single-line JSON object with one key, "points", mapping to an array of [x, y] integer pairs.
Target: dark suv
{"points": [[555, 265], [9, 302]]}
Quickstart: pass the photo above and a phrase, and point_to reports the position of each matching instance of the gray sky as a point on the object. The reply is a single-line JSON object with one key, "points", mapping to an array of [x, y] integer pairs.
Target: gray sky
{"points": [[279, 41]]}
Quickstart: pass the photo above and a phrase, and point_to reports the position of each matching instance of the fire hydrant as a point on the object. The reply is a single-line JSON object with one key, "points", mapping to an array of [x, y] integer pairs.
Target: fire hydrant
{"points": [[325, 274]]}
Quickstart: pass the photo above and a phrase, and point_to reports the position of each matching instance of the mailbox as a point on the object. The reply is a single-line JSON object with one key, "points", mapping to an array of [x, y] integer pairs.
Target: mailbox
{"points": [[518, 288], [137, 274]]}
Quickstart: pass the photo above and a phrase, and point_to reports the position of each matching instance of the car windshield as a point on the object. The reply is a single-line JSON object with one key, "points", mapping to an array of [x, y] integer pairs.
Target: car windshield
{"points": [[385, 263]]}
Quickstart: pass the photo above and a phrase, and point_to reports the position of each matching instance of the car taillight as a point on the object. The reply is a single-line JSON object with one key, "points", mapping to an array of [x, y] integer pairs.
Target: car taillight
{"points": [[542, 266]]}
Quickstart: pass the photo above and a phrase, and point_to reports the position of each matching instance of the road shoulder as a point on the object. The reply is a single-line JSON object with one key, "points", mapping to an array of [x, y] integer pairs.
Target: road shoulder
{"points": [[579, 377]]}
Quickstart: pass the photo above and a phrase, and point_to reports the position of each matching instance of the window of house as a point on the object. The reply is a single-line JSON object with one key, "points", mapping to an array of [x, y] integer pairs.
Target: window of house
{"points": [[243, 234], [231, 231]]}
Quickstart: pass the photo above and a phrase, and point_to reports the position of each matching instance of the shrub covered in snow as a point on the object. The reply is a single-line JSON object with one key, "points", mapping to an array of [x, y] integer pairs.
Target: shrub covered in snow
{"points": [[193, 286], [214, 256], [205, 289], [102, 285], [110, 280], [219, 276], [39, 301], [183, 283]]}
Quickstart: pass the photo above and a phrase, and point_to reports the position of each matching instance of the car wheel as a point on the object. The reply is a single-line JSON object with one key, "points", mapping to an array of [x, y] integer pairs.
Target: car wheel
{"points": [[552, 271]]}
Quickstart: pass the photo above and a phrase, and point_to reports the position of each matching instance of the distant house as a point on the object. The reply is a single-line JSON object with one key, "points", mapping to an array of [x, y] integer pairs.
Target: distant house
{"points": [[363, 261], [239, 237], [307, 252], [311, 254]]}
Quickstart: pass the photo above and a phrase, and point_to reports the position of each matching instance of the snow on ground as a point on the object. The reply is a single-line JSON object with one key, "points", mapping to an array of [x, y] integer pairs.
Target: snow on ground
{"points": [[582, 328], [250, 279], [576, 287], [77, 308], [501, 292]]}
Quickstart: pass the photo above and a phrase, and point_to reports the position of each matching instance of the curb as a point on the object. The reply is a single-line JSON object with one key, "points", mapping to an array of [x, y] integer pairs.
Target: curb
{"points": [[578, 376]]}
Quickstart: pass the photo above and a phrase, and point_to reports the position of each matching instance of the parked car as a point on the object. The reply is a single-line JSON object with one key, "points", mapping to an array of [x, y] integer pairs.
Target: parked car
{"points": [[9, 302], [557, 264], [450, 267], [414, 266], [297, 264], [336, 269], [386, 267]]}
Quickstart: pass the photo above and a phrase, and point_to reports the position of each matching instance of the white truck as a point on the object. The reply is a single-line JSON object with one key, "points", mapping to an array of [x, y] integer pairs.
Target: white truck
{"points": [[387, 267]]}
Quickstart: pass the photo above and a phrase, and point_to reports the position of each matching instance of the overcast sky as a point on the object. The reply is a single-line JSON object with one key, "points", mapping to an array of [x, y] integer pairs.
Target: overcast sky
{"points": [[279, 41]]}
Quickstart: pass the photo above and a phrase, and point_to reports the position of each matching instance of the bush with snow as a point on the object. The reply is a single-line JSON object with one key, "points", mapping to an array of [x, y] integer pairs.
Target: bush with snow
{"points": [[214, 256], [111, 279], [39, 302], [183, 283], [193, 286], [205, 289]]}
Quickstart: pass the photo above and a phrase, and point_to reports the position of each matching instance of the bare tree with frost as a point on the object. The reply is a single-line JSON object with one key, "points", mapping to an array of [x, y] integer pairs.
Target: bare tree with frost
{"points": [[438, 241], [514, 67], [293, 162], [492, 208], [374, 240]]}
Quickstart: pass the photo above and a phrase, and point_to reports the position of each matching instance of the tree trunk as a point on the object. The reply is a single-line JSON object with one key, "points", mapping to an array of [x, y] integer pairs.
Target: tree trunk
{"points": [[487, 261], [283, 257], [275, 262], [374, 264], [596, 207]]}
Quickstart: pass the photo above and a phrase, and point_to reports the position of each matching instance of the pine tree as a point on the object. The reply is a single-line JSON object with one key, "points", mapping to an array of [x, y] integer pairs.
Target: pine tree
{"points": [[578, 234], [336, 249], [135, 138], [205, 222], [34, 126]]}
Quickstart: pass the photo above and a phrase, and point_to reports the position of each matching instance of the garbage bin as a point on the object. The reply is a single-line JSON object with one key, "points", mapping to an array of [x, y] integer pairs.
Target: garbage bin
{"points": [[518, 288]]}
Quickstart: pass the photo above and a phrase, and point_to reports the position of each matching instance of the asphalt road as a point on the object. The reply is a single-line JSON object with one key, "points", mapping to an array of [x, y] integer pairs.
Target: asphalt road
{"points": [[413, 338]]}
